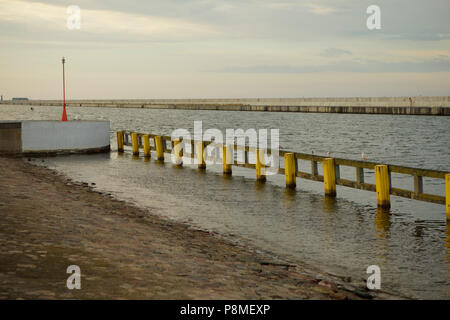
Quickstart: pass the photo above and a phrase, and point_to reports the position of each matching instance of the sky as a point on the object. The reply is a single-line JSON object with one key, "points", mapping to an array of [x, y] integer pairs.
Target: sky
{"points": [[224, 49]]}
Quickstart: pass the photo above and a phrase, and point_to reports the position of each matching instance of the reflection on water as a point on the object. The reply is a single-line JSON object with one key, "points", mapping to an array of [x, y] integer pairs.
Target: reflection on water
{"points": [[382, 222], [447, 246], [329, 204]]}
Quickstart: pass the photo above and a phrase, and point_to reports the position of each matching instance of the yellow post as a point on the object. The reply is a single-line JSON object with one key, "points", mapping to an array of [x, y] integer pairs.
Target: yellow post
{"points": [[159, 148], [135, 143], [146, 142], [260, 168], [329, 177], [227, 160], [177, 151], [200, 148], [119, 141], [447, 195], [382, 184], [289, 170]]}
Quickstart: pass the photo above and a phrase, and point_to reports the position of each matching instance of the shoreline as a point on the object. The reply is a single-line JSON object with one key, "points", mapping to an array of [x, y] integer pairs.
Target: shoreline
{"points": [[48, 222]]}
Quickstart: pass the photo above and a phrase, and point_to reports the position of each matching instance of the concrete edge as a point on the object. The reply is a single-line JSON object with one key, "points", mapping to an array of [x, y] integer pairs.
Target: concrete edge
{"points": [[45, 153]]}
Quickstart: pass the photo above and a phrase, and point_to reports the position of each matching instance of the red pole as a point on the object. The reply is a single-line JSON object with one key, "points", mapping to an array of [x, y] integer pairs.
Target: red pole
{"points": [[64, 115]]}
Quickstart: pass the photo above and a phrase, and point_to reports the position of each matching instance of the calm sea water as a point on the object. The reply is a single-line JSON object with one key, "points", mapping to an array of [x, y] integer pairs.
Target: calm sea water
{"points": [[411, 243]]}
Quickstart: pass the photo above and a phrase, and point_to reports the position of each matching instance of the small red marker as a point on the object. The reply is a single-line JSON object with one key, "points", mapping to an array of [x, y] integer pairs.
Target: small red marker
{"points": [[64, 115]]}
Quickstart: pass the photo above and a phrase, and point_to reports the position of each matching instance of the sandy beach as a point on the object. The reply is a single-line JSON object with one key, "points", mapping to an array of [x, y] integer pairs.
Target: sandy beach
{"points": [[48, 222]]}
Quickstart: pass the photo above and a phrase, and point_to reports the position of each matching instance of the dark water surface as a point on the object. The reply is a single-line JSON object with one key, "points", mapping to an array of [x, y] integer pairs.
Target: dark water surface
{"points": [[410, 243]]}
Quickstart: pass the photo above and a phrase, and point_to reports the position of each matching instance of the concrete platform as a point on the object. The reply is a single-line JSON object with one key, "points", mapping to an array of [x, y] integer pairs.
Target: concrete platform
{"points": [[34, 137]]}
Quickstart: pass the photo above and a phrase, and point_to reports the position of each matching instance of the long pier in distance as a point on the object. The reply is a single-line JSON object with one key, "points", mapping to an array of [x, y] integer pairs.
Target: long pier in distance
{"points": [[420, 105]]}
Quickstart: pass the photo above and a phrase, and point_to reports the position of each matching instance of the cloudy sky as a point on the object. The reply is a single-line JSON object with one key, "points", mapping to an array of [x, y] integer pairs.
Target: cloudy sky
{"points": [[224, 49]]}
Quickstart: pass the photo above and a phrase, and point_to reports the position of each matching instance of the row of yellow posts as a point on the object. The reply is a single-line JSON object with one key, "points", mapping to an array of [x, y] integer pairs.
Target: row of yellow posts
{"points": [[382, 180]]}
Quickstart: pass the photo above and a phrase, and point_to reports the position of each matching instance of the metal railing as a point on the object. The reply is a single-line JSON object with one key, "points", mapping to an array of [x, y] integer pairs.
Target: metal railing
{"points": [[416, 174]]}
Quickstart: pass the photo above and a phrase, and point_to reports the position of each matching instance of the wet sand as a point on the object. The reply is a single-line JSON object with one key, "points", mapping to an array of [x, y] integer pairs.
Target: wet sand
{"points": [[48, 222]]}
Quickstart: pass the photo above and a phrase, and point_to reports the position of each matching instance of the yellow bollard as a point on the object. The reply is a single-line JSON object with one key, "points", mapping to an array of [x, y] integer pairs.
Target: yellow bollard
{"points": [[447, 195], [119, 141], [178, 152], [146, 142], [135, 143], [382, 185], [260, 168], [289, 170], [200, 149], [329, 177], [227, 160], [159, 148]]}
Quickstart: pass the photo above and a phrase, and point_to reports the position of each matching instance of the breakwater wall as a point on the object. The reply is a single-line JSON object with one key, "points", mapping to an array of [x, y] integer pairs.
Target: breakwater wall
{"points": [[432, 105]]}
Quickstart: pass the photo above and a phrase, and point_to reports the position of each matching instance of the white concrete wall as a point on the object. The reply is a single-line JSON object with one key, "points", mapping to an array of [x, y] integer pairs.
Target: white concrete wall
{"points": [[47, 136]]}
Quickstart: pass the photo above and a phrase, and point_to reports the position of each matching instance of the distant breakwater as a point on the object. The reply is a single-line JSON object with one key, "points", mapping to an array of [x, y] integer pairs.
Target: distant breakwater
{"points": [[436, 106]]}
